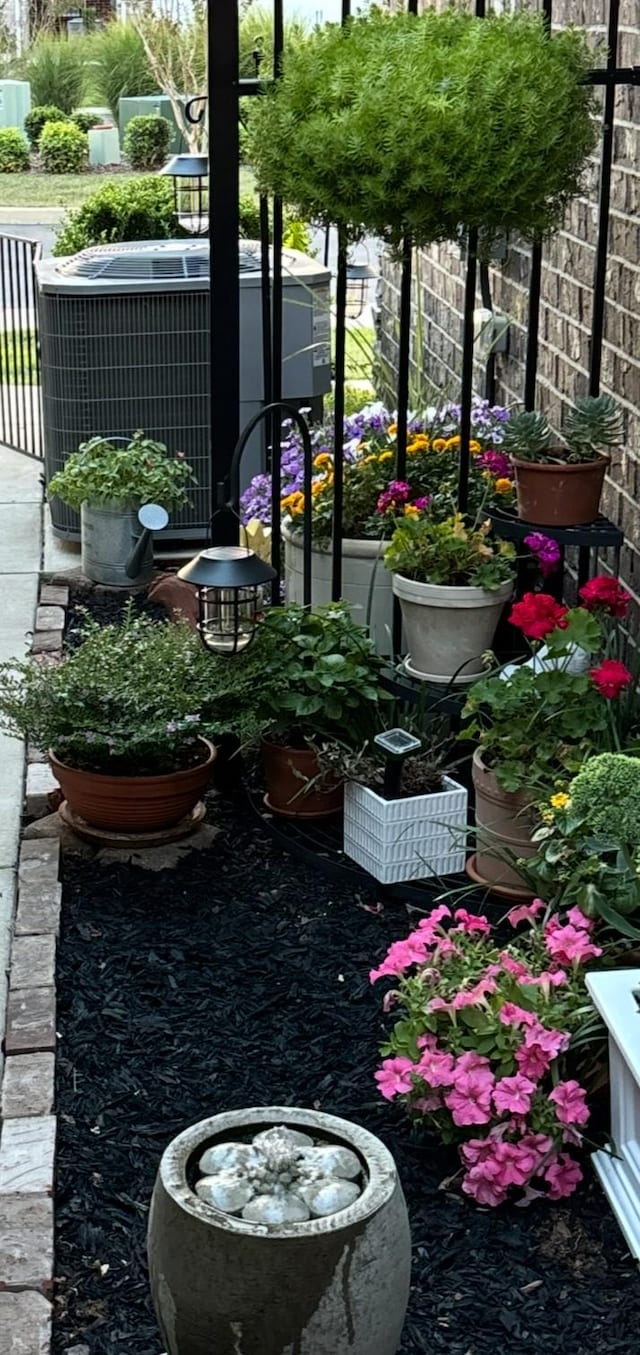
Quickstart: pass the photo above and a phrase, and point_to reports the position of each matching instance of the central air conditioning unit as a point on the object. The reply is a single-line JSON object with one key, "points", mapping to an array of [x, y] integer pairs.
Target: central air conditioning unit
{"points": [[124, 333]]}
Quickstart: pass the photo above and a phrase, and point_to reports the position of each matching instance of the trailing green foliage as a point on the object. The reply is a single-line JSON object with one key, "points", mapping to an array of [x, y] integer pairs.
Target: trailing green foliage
{"points": [[56, 70], [36, 118], [143, 472], [108, 706], [594, 423], [63, 148], [120, 67], [118, 212], [429, 126], [14, 151], [146, 140]]}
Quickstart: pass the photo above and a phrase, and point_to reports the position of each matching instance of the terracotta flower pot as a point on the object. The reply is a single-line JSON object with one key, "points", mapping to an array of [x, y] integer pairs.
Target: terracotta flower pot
{"points": [[504, 824], [134, 804], [562, 495], [286, 771]]}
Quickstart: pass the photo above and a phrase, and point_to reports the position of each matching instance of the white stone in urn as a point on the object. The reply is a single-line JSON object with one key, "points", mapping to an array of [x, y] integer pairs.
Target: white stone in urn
{"points": [[335, 1161], [223, 1156], [225, 1191], [275, 1210], [268, 1137], [329, 1198]]}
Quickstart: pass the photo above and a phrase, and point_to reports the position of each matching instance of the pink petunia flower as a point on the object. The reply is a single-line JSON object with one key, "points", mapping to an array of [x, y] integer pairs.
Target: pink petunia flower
{"points": [[569, 1099], [394, 1077], [515, 967], [563, 1176], [512, 1015], [471, 922], [427, 1104], [436, 1068], [474, 1063], [579, 919], [484, 1183], [513, 1094], [539, 1048], [570, 945], [470, 1099], [526, 912], [400, 956]]}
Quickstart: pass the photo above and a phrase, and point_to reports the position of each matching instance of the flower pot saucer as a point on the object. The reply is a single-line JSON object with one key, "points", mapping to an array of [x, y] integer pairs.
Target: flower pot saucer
{"points": [[461, 680], [296, 814], [520, 894], [108, 837]]}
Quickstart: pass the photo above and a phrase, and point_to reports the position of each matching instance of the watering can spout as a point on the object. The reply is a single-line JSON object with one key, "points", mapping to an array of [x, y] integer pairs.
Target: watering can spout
{"points": [[152, 518]]}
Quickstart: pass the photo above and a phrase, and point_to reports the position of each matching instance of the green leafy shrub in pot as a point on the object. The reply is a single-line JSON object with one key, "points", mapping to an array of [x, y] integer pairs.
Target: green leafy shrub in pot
{"points": [[85, 120], [38, 116], [117, 212], [146, 141], [14, 151], [100, 473], [63, 148], [108, 706], [448, 552], [428, 126], [56, 71]]}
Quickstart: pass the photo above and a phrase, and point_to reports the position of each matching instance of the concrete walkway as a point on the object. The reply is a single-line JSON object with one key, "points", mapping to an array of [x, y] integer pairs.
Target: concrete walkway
{"points": [[20, 562]]}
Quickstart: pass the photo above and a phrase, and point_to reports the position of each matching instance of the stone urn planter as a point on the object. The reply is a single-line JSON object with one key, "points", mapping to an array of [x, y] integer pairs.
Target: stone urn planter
{"points": [[448, 629], [109, 535], [134, 804], [566, 495], [504, 824], [363, 577], [277, 1230]]}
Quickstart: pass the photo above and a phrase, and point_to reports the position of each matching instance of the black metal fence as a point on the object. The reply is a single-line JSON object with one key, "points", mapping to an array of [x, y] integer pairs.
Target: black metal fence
{"points": [[225, 92], [20, 417]]}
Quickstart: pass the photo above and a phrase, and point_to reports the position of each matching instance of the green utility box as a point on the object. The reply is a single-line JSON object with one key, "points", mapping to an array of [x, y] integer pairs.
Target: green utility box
{"points": [[15, 102], [150, 103]]}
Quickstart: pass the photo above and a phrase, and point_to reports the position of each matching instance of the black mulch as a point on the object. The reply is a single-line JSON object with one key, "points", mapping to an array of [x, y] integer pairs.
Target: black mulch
{"points": [[237, 979]]}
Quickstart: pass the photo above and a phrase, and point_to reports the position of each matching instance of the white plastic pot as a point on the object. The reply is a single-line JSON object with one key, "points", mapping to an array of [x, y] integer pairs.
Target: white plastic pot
{"points": [[448, 629], [362, 562], [409, 839], [222, 1285]]}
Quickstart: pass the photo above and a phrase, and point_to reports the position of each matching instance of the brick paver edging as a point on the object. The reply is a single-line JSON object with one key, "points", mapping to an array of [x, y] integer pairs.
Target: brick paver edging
{"points": [[27, 1142]]}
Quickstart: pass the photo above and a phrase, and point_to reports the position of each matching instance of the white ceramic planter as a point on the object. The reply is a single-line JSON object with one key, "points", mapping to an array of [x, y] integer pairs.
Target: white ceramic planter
{"points": [[448, 629], [361, 561], [614, 995], [224, 1286], [408, 839]]}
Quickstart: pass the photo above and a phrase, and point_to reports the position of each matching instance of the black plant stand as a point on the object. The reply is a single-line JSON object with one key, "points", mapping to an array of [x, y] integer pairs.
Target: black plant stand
{"points": [[588, 541]]}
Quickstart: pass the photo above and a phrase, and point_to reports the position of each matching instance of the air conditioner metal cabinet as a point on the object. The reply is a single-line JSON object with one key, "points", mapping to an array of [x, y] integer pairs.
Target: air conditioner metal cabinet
{"points": [[124, 345]]}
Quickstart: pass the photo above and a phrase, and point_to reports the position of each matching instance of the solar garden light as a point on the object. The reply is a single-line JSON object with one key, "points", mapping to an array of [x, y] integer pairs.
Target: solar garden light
{"points": [[231, 579], [359, 275], [190, 174], [396, 744]]}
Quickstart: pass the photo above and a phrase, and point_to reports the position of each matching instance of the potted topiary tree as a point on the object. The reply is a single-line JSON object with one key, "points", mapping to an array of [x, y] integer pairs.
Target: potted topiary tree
{"points": [[452, 582], [384, 126], [107, 485], [124, 741], [560, 486]]}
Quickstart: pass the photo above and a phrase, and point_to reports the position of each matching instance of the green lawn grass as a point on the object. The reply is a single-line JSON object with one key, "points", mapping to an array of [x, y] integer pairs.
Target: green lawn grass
{"points": [[359, 352], [18, 357], [69, 190]]}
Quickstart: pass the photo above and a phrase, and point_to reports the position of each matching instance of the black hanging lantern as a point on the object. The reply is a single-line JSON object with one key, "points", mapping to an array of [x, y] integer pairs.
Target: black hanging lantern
{"points": [[359, 275], [190, 174], [230, 581]]}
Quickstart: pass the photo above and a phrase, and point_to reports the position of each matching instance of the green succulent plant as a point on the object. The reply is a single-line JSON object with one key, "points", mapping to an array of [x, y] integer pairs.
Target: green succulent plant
{"points": [[527, 435], [594, 423]]}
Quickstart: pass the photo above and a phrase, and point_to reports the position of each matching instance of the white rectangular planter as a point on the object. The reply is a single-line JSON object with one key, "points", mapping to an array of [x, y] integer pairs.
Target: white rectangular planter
{"points": [[613, 995], [407, 839]]}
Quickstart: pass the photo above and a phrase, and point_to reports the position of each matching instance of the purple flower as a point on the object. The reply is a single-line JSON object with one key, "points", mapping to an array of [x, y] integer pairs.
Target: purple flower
{"points": [[496, 462], [547, 552], [397, 492], [423, 502]]}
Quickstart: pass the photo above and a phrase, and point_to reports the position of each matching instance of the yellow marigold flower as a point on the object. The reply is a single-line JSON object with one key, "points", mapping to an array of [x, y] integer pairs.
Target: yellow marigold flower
{"points": [[451, 443], [292, 500], [560, 801], [503, 485], [318, 487], [322, 459], [392, 429], [410, 510], [298, 508], [475, 447], [439, 444], [415, 447], [385, 456], [366, 460]]}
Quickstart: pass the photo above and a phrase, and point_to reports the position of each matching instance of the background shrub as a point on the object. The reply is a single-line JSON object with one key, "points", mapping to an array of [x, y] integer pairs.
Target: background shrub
{"points": [[14, 151], [84, 120], [63, 147], [119, 66], [146, 140], [35, 120], [119, 212], [56, 69]]}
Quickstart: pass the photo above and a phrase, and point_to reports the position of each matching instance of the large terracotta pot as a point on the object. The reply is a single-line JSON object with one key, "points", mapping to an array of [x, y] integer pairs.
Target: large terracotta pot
{"points": [[286, 771], [448, 629], [134, 804], [562, 495], [504, 824], [335, 1285], [366, 584]]}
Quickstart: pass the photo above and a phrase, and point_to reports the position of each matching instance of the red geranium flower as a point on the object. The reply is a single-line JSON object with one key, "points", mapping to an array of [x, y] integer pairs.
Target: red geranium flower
{"points": [[537, 614], [606, 593], [610, 678]]}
